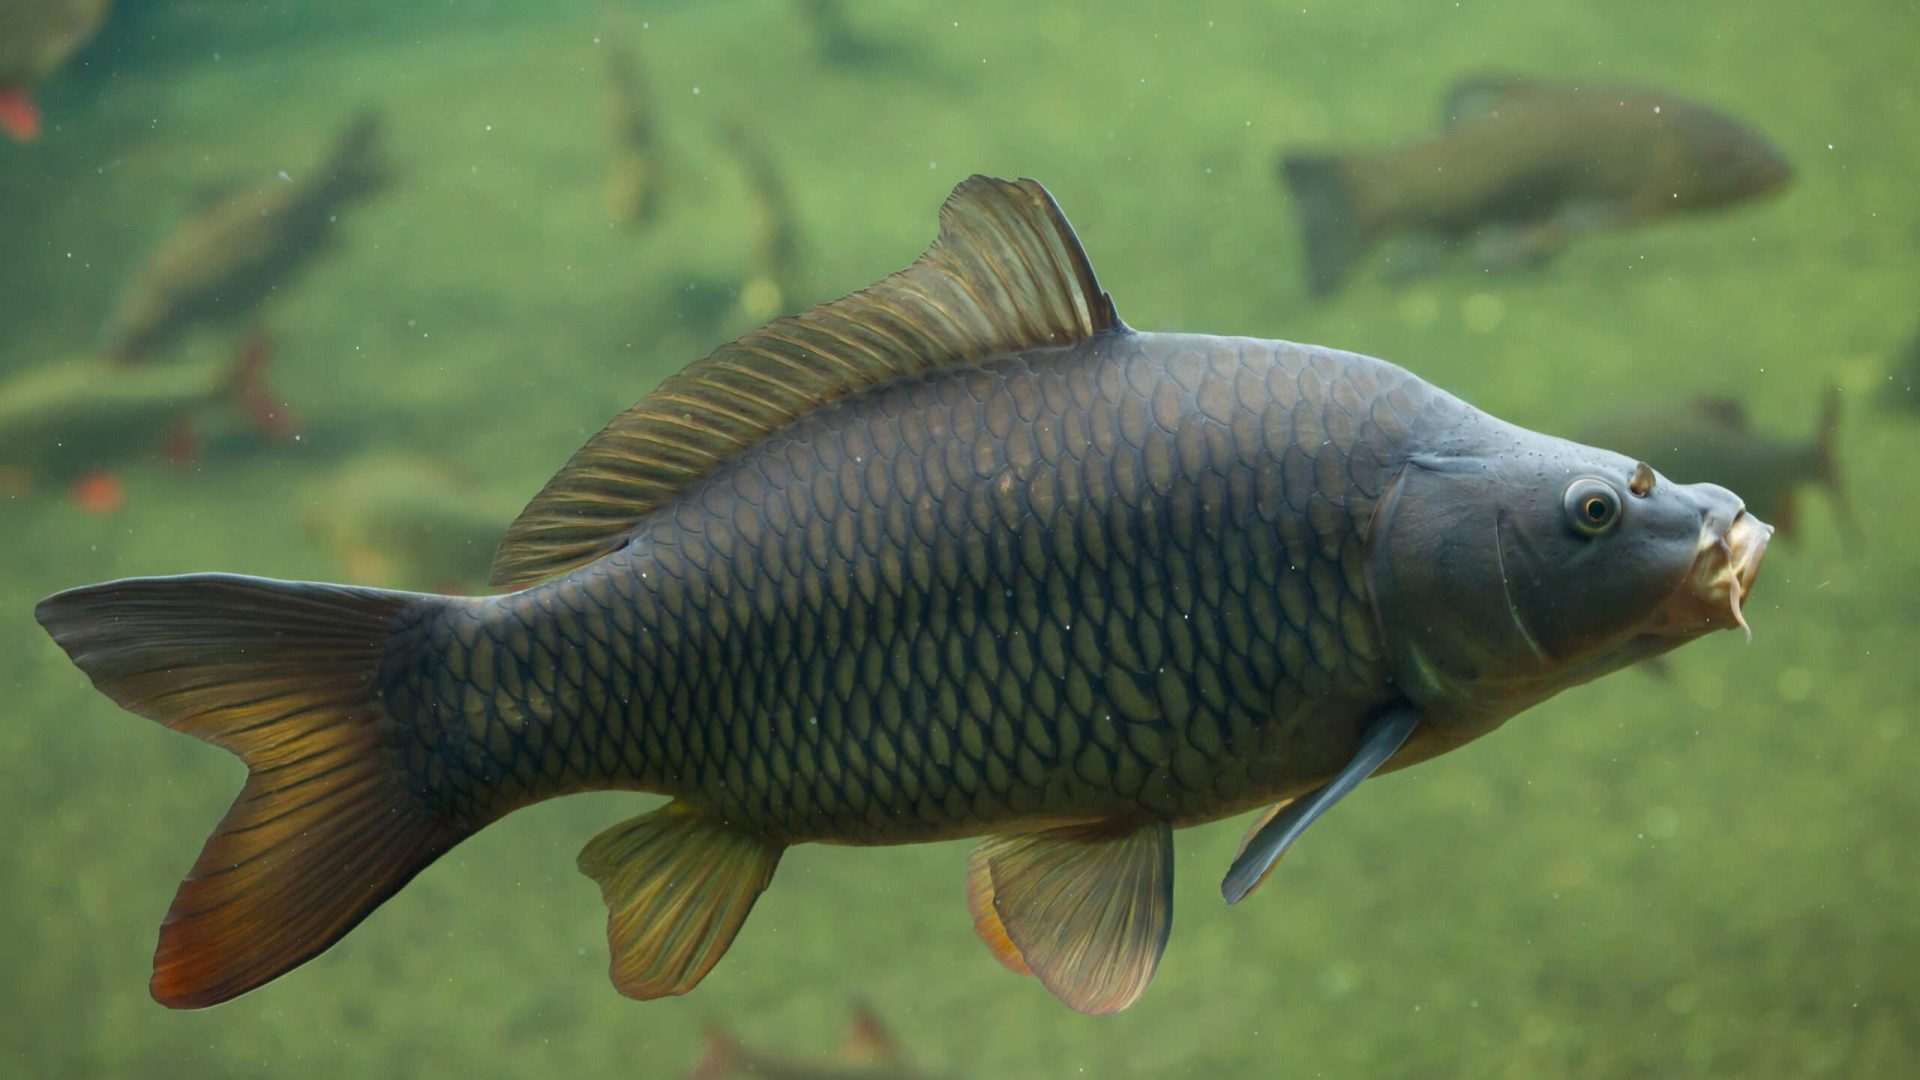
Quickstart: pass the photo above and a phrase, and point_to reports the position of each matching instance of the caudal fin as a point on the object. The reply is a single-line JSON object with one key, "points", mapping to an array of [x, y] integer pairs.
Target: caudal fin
{"points": [[1827, 465], [357, 166], [1330, 226], [282, 674]]}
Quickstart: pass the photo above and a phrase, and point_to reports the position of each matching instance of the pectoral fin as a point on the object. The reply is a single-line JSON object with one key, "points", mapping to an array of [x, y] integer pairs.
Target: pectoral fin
{"points": [[1253, 831], [1087, 909], [1283, 825], [678, 885]]}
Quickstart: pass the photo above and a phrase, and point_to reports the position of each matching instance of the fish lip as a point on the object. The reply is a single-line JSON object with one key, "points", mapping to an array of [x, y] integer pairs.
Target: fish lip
{"points": [[1722, 577]]}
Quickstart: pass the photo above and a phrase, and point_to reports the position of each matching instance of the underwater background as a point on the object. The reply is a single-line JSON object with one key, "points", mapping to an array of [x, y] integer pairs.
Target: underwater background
{"points": [[1710, 873]]}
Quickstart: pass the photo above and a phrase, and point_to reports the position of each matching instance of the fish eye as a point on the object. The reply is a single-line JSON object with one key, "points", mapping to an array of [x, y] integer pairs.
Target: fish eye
{"points": [[1593, 507]]}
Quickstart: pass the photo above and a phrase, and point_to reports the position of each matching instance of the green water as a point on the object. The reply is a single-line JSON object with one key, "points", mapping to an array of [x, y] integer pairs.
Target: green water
{"points": [[1708, 875]]}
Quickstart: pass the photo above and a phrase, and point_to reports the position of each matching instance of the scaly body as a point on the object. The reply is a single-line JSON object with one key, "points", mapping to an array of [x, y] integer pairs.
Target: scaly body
{"points": [[1121, 578]]}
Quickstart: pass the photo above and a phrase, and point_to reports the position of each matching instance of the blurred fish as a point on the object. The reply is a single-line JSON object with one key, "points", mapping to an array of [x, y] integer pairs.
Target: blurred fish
{"points": [[99, 492], [36, 37], [1521, 167], [834, 38], [633, 182], [222, 262], [63, 420], [1710, 437], [410, 522], [773, 276], [869, 1052], [961, 554]]}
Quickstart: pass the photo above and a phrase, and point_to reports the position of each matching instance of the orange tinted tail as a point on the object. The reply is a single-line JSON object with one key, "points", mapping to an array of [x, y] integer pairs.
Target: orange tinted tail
{"points": [[283, 675]]}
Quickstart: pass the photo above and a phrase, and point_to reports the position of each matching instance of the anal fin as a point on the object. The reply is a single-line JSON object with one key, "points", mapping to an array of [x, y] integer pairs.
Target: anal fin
{"points": [[678, 886], [1087, 909]]}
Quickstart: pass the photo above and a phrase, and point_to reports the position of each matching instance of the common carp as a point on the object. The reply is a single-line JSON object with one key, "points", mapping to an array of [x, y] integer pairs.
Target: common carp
{"points": [[36, 37], [961, 554], [228, 258], [1522, 167]]}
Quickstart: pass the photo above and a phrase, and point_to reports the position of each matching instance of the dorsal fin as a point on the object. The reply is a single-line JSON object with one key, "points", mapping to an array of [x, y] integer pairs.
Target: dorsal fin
{"points": [[1006, 273]]}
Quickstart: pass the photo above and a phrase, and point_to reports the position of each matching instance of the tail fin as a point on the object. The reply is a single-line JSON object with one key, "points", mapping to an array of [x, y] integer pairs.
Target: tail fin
{"points": [[356, 166], [282, 674], [1827, 465], [1330, 226]]}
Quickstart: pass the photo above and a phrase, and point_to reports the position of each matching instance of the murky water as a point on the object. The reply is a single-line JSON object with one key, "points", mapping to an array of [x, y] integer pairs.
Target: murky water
{"points": [[1706, 872]]}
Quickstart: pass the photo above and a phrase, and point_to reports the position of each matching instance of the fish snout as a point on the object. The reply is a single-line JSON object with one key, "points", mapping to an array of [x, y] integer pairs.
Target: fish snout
{"points": [[1725, 566]]}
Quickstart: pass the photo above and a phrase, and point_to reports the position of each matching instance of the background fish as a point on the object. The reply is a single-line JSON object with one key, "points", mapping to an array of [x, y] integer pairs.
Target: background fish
{"points": [[407, 521], [633, 179], [834, 38], [1521, 166], [958, 555], [773, 276], [1711, 436], [36, 37], [82, 414], [220, 264], [868, 1052]]}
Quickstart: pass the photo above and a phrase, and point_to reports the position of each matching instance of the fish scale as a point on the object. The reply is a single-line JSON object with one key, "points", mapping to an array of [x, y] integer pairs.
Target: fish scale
{"points": [[1042, 589]]}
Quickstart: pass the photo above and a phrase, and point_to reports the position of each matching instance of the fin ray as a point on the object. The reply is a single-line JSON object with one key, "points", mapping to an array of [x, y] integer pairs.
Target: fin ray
{"points": [[283, 675], [678, 886], [1005, 273], [1087, 908]]}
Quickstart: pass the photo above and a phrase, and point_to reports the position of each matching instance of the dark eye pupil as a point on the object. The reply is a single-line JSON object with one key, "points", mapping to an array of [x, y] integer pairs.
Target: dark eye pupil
{"points": [[1596, 509]]}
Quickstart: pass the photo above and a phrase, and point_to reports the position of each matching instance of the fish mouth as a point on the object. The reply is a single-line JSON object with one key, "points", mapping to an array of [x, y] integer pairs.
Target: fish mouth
{"points": [[1721, 579]]}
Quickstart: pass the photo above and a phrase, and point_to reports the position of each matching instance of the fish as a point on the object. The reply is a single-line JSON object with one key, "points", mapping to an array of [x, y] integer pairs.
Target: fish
{"points": [[408, 521], [223, 262], [868, 1052], [1521, 167], [1710, 435], [961, 554], [36, 38], [774, 275], [78, 415], [834, 38], [633, 181]]}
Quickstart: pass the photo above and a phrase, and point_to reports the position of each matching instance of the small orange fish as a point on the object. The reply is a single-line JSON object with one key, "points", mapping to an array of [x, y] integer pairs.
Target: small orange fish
{"points": [[36, 37], [98, 492]]}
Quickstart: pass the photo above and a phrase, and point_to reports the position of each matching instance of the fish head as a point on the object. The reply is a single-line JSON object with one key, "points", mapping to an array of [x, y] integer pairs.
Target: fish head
{"points": [[1724, 161], [1508, 568]]}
